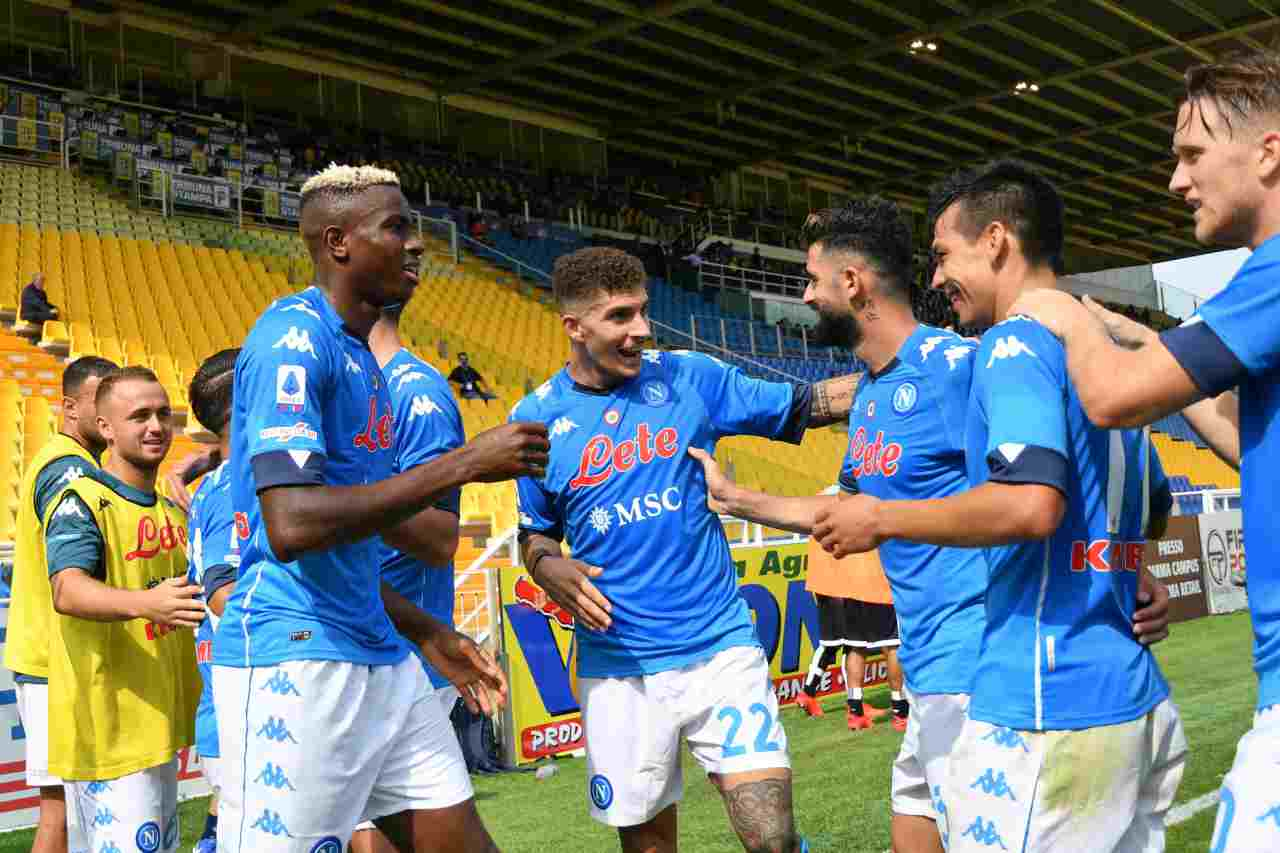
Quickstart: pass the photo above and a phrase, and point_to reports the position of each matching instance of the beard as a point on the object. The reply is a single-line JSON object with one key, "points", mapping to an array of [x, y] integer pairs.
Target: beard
{"points": [[837, 330]]}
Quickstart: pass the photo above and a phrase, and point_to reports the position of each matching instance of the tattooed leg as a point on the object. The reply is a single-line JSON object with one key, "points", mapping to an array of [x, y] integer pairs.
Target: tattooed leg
{"points": [[759, 806]]}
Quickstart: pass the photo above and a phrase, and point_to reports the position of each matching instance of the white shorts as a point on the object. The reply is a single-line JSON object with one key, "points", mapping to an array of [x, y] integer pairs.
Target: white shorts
{"points": [[724, 708], [312, 748], [920, 770], [33, 712], [1102, 789], [1249, 809], [447, 696], [135, 812], [209, 766]]}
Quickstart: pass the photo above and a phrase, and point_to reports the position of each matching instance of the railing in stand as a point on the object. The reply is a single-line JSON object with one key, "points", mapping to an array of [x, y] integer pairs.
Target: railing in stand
{"points": [[488, 252], [489, 604]]}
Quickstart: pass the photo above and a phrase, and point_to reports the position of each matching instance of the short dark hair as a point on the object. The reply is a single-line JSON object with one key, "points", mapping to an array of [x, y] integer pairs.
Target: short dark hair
{"points": [[872, 227], [210, 390], [124, 374], [585, 272], [84, 368], [1007, 191], [1243, 85]]}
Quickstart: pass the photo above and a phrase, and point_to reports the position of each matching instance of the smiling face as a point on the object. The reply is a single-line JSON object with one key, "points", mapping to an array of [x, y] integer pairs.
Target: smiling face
{"points": [[609, 331], [964, 267], [1221, 173], [137, 422], [382, 247]]}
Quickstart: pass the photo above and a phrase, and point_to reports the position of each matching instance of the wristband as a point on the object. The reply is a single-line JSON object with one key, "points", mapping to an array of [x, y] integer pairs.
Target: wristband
{"points": [[533, 569]]}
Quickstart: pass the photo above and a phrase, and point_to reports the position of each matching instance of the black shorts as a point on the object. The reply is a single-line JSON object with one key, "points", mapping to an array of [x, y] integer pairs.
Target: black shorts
{"points": [[846, 622]]}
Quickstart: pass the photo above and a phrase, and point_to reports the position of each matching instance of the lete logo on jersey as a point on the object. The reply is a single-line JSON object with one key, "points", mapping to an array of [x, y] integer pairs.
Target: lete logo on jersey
{"points": [[601, 458], [876, 457]]}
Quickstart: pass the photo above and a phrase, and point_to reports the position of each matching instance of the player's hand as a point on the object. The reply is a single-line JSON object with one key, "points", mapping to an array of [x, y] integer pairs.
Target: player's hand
{"points": [[1125, 332], [848, 526], [1056, 310], [719, 487], [173, 602], [518, 449], [192, 467], [469, 668], [568, 582], [1151, 621], [176, 490]]}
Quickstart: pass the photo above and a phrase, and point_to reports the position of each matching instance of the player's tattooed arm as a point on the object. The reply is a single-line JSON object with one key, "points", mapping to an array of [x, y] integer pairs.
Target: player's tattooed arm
{"points": [[832, 400], [760, 812], [566, 581]]}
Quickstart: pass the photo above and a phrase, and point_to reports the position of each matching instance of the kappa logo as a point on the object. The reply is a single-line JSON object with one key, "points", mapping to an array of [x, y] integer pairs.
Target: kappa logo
{"points": [[995, 786], [93, 789], [424, 405], [652, 356], [75, 472], [1273, 816], [957, 352], [109, 847], [296, 341], [303, 307], [70, 507], [351, 364], [401, 370], [543, 390], [275, 729], [1006, 737], [410, 377], [281, 685], [929, 345], [270, 823], [104, 817], [273, 777], [984, 833], [562, 426], [1009, 347]]}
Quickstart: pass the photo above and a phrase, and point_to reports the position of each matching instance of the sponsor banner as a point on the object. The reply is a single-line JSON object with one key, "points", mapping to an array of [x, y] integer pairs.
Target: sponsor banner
{"points": [[201, 192], [27, 136], [537, 636], [1222, 547], [19, 805], [1175, 559]]}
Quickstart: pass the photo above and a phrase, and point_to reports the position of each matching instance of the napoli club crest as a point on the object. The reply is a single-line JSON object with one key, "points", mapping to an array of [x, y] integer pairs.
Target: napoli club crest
{"points": [[655, 392], [904, 399]]}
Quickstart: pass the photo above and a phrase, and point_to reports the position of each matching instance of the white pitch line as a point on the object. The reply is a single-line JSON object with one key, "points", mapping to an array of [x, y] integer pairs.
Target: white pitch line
{"points": [[1183, 812]]}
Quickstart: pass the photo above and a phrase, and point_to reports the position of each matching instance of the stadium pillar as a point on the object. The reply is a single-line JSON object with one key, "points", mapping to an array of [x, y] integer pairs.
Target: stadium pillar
{"points": [[751, 333], [804, 343], [781, 352], [427, 187], [724, 340]]}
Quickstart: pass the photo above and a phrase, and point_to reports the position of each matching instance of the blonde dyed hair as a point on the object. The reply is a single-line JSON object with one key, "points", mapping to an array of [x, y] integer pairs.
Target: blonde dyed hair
{"points": [[349, 179]]}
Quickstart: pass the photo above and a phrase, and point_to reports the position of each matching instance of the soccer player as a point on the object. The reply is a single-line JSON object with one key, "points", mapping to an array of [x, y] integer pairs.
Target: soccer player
{"points": [[428, 424], [664, 641], [71, 453], [213, 557], [1224, 362], [123, 685], [325, 718], [1061, 509], [906, 440]]}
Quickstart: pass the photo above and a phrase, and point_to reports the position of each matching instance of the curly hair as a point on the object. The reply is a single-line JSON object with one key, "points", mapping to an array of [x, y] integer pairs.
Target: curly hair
{"points": [[872, 227], [586, 272], [1010, 192], [1244, 85]]}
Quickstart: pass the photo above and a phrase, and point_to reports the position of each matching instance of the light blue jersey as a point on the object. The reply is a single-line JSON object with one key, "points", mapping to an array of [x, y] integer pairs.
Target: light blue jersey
{"points": [[213, 557], [428, 424], [906, 442], [310, 407], [1234, 342], [1058, 651], [622, 490]]}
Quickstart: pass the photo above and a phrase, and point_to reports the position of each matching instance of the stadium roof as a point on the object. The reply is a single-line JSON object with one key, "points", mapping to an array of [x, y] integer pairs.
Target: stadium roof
{"points": [[869, 95]]}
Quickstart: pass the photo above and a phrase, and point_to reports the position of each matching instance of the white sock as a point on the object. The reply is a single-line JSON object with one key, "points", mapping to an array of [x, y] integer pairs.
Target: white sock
{"points": [[895, 695], [855, 693]]}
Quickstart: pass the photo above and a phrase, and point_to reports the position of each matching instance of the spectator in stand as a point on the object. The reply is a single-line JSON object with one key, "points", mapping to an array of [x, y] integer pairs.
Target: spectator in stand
{"points": [[479, 229], [36, 307], [471, 385]]}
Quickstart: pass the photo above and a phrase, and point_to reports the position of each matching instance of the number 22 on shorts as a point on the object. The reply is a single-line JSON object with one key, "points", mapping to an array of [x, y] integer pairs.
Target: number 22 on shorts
{"points": [[762, 741]]}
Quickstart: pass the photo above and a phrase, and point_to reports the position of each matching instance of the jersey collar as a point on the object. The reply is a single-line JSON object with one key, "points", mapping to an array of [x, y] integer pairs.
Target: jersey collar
{"points": [[124, 490]]}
